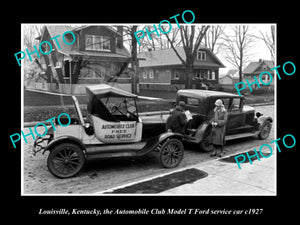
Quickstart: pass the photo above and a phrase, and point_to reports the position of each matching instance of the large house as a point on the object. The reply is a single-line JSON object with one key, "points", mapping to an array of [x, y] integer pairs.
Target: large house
{"points": [[163, 70], [96, 56]]}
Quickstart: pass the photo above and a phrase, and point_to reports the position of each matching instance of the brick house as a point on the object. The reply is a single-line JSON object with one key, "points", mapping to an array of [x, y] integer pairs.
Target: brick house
{"points": [[163, 70], [96, 56]]}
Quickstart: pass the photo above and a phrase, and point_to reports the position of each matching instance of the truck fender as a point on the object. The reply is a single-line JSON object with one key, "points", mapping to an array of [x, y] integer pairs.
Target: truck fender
{"points": [[261, 120], [64, 138], [167, 135]]}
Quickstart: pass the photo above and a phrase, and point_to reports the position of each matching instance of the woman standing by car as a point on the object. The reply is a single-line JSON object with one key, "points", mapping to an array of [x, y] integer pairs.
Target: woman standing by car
{"points": [[219, 127]]}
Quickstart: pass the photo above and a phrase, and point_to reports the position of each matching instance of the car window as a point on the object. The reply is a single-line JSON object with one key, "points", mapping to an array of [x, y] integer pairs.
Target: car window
{"points": [[192, 101], [226, 102], [235, 104]]}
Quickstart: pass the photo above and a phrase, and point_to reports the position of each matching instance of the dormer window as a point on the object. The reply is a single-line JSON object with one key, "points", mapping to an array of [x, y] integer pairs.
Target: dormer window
{"points": [[97, 43], [201, 55]]}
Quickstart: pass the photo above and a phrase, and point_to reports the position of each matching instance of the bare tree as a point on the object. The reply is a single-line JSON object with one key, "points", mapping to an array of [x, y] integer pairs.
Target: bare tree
{"points": [[238, 46], [269, 39], [30, 32], [191, 43], [159, 42], [212, 37], [135, 62]]}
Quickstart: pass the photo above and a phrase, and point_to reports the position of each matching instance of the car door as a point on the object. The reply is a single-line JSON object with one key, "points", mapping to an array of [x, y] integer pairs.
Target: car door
{"points": [[236, 118]]}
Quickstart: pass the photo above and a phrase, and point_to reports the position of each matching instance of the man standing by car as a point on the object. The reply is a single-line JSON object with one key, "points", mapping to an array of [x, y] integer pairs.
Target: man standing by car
{"points": [[219, 127], [177, 121]]}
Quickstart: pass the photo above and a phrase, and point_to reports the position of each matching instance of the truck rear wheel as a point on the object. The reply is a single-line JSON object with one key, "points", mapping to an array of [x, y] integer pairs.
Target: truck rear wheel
{"points": [[65, 160], [171, 153]]}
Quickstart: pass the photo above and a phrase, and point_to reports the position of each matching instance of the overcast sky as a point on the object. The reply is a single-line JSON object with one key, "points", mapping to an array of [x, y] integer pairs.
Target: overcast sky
{"points": [[259, 49]]}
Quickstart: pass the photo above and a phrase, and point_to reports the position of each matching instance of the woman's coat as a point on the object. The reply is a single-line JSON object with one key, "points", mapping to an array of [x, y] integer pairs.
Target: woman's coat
{"points": [[218, 132]]}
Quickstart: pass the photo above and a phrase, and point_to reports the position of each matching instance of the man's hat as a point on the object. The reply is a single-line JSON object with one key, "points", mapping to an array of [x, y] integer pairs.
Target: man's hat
{"points": [[181, 103]]}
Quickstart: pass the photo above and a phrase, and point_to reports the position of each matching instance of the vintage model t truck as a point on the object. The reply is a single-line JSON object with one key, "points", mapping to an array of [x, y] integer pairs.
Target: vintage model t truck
{"points": [[113, 128]]}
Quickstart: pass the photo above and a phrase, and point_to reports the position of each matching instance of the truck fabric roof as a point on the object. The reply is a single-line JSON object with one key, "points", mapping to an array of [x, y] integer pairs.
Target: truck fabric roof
{"points": [[104, 90]]}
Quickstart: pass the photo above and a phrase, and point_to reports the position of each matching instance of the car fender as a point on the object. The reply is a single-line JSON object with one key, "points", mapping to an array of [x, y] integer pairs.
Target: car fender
{"points": [[64, 138], [201, 130], [261, 120]]}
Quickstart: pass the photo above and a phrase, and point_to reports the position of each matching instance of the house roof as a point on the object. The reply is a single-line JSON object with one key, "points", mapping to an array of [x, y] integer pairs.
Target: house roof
{"points": [[55, 30], [232, 77], [86, 26], [232, 72], [168, 57], [253, 66]]}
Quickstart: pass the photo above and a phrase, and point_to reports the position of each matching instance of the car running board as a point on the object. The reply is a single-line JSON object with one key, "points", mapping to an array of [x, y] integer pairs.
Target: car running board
{"points": [[236, 136]]}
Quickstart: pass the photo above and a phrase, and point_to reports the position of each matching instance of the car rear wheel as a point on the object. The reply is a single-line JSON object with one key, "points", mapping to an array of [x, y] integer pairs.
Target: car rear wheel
{"points": [[265, 130], [206, 145], [171, 153], [65, 160]]}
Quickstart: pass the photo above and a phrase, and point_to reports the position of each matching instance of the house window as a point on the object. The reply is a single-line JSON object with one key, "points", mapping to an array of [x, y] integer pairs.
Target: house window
{"points": [[201, 55], [176, 76], [197, 75], [203, 74], [144, 74], [151, 74], [97, 43], [213, 75], [265, 78]]}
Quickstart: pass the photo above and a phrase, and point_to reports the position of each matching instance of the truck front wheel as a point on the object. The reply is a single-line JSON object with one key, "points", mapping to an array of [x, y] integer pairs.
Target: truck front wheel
{"points": [[171, 153], [65, 160]]}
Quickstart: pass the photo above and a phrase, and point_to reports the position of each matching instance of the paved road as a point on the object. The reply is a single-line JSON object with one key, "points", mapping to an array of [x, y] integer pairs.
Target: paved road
{"points": [[100, 175]]}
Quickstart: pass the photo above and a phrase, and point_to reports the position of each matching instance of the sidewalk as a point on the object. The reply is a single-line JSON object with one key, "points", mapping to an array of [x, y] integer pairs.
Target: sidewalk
{"points": [[226, 178]]}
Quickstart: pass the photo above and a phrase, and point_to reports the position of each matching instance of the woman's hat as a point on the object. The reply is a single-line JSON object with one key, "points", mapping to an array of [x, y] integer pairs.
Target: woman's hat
{"points": [[218, 102]]}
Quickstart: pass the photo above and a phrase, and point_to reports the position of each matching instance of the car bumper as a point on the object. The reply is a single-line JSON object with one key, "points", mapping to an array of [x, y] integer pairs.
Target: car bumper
{"points": [[40, 144]]}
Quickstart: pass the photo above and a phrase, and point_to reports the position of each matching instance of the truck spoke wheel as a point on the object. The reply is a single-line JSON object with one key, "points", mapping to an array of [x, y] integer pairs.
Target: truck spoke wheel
{"points": [[65, 160], [171, 153]]}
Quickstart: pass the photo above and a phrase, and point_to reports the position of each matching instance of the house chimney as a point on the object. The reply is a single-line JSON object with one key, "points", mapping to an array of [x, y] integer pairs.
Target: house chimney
{"points": [[120, 37]]}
